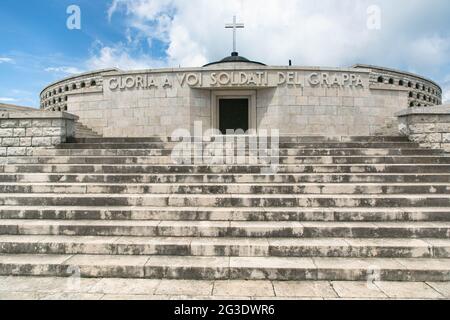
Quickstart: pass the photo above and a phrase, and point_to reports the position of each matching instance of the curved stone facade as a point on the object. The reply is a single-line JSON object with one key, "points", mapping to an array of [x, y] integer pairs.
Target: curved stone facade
{"points": [[361, 100], [55, 96], [422, 92]]}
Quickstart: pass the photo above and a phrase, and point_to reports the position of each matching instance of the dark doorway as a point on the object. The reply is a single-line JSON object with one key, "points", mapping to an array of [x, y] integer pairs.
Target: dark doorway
{"points": [[233, 114]]}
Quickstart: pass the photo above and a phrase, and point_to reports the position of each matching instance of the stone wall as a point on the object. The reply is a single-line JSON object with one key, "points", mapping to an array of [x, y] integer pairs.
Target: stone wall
{"points": [[137, 113], [329, 111], [428, 126], [21, 133]]}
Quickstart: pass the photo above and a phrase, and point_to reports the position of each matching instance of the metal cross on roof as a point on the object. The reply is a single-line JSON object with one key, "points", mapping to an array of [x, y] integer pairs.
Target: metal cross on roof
{"points": [[234, 26]]}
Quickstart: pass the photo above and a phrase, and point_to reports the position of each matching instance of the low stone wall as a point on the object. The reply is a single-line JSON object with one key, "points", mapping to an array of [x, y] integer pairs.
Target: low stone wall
{"points": [[429, 126], [21, 133]]}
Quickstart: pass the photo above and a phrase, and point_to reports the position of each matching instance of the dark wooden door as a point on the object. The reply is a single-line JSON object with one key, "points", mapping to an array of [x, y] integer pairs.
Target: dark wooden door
{"points": [[233, 114]]}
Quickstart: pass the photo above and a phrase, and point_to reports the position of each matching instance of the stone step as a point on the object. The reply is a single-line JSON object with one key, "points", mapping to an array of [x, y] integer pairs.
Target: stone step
{"points": [[222, 268], [215, 189], [85, 133], [161, 160], [227, 247], [85, 130], [227, 178], [227, 201], [253, 229], [281, 145], [281, 139], [82, 131], [227, 214], [236, 169], [281, 152]]}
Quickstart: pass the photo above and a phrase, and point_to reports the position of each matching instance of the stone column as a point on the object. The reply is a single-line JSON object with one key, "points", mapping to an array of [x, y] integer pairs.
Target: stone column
{"points": [[22, 132], [428, 126]]}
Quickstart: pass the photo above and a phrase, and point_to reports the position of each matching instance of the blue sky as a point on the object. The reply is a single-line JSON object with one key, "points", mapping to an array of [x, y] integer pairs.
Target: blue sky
{"points": [[37, 48], [37, 42]]}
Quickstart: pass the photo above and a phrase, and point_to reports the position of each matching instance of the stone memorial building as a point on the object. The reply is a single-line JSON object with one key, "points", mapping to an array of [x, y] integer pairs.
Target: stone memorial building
{"points": [[238, 93], [360, 190]]}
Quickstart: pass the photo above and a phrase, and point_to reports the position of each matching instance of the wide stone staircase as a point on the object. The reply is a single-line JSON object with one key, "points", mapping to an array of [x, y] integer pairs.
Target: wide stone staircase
{"points": [[337, 208]]}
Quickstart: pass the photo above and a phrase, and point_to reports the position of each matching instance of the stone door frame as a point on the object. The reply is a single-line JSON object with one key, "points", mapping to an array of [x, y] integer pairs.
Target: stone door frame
{"points": [[234, 94]]}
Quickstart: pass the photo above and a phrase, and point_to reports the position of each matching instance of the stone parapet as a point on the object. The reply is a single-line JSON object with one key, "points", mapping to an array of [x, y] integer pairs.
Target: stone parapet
{"points": [[429, 126], [21, 133]]}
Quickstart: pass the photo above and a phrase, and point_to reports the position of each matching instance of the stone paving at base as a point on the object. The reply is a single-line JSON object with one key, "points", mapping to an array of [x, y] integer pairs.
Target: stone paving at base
{"points": [[46, 288]]}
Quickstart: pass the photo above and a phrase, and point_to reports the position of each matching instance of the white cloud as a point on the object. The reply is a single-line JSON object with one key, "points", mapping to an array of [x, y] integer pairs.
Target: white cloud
{"points": [[150, 19], [65, 70], [6, 60], [119, 57], [429, 52], [323, 32], [446, 90], [446, 95]]}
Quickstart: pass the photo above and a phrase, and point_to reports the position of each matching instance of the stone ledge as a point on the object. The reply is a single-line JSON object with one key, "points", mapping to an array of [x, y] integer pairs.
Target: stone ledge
{"points": [[38, 114], [437, 110]]}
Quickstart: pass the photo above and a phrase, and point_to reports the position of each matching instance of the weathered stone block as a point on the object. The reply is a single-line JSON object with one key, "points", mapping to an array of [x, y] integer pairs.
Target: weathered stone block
{"points": [[19, 132], [424, 118], [25, 142], [25, 123], [436, 145], [10, 142], [420, 138], [58, 123], [6, 132], [17, 151], [444, 118], [57, 140], [34, 132], [2, 152], [422, 128], [446, 137], [54, 131], [434, 138], [8, 123], [42, 141], [425, 144], [426, 138], [42, 123], [443, 127]]}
